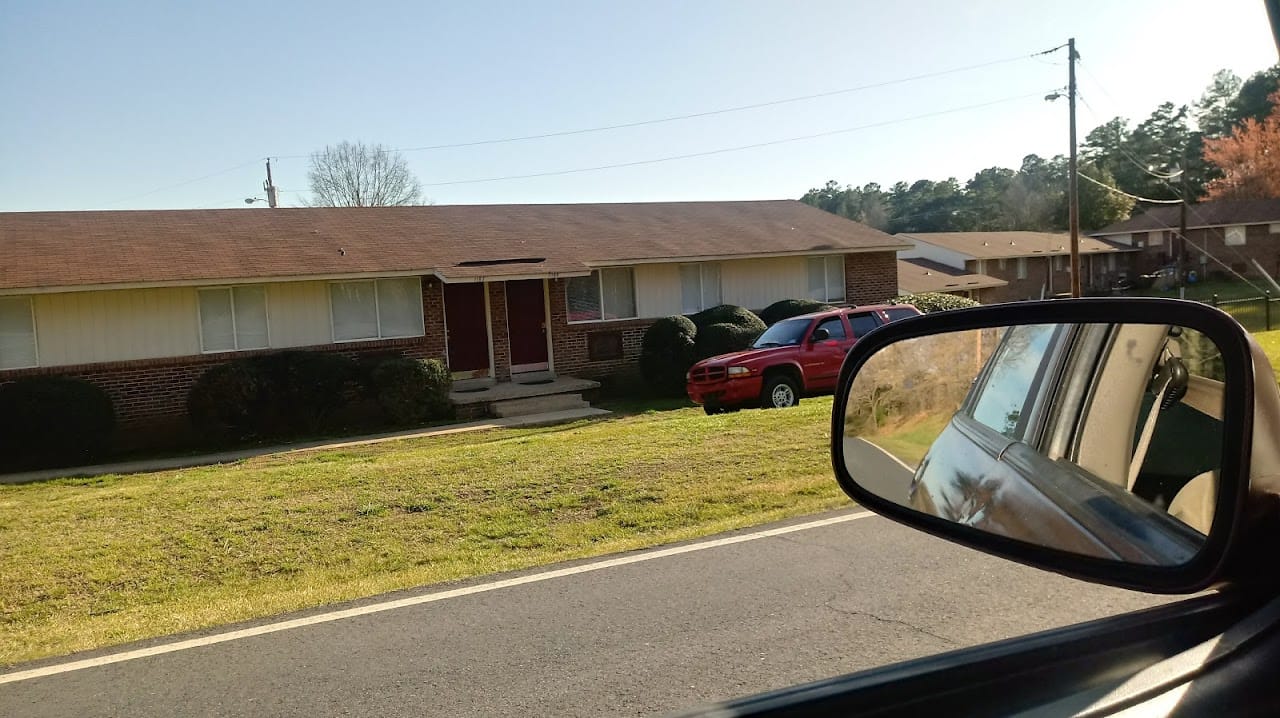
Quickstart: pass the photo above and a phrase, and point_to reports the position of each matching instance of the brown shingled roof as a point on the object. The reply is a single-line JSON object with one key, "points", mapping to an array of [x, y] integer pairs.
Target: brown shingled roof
{"points": [[997, 245], [1203, 214], [460, 242], [923, 275]]}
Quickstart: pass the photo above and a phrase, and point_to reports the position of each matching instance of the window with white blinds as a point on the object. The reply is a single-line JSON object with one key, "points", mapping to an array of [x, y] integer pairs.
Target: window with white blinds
{"points": [[376, 309], [233, 319]]}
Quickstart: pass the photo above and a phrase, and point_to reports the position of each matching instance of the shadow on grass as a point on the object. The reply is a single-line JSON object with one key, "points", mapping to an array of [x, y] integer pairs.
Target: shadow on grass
{"points": [[633, 405]]}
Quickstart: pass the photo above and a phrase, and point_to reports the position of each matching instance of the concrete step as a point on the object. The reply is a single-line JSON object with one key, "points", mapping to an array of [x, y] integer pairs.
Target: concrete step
{"points": [[537, 405]]}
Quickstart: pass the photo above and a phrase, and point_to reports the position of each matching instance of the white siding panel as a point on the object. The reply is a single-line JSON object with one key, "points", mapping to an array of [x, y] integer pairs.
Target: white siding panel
{"points": [[750, 283], [88, 327], [933, 252], [757, 283], [657, 290], [299, 314]]}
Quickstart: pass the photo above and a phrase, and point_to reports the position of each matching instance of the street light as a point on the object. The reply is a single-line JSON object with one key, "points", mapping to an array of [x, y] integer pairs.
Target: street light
{"points": [[270, 188]]}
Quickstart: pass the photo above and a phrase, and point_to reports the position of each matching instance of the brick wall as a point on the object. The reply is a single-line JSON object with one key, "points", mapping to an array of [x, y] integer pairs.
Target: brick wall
{"points": [[151, 394], [1259, 244], [1159, 249], [501, 337], [1038, 274], [571, 356], [869, 278]]}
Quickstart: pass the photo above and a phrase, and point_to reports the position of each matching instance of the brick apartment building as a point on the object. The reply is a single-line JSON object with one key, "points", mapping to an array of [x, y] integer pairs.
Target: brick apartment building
{"points": [[1223, 238], [142, 302], [1016, 266]]}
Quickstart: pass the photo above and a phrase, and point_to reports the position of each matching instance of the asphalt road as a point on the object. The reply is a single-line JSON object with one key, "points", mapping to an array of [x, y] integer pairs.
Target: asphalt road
{"points": [[651, 636], [877, 470]]}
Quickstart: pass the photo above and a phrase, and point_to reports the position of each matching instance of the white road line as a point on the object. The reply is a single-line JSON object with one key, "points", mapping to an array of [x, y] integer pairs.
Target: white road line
{"points": [[910, 469], [417, 600]]}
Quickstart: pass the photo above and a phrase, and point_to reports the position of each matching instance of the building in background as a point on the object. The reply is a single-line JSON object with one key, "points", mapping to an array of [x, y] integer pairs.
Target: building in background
{"points": [[1031, 265], [1224, 238]]}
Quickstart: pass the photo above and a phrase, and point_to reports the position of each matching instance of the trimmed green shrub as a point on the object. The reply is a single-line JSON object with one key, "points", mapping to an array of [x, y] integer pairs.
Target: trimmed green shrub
{"points": [[411, 390], [930, 302], [305, 389], [727, 314], [723, 338], [53, 421], [788, 308], [725, 329], [229, 400], [666, 353]]}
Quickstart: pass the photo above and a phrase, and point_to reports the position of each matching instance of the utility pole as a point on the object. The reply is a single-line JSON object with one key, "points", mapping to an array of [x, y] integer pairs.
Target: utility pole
{"points": [[1073, 173], [1182, 229], [270, 187]]}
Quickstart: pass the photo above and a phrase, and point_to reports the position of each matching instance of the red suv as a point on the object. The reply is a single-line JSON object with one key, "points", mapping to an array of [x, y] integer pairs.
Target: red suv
{"points": [[794, 357]]}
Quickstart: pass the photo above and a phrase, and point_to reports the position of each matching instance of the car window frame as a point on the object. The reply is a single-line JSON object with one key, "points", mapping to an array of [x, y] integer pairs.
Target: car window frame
{"points": [[1031, 419], [876, 320]]}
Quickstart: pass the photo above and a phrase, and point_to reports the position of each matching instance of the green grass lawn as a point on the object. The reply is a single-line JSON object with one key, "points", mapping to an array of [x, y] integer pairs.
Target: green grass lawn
{"points": [[1204, 291], [910, 440], [94, 562]]}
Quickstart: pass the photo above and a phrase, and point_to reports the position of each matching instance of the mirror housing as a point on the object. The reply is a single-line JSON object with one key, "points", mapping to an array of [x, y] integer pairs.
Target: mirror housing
{"points": [[819, 335], [1206, 566]]}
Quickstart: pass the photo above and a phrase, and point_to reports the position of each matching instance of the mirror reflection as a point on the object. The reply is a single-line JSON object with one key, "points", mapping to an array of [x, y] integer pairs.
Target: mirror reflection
{"points": [[1099, 439]]}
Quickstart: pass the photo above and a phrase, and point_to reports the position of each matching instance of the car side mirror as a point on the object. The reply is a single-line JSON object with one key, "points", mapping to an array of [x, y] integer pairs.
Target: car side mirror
{"points": [[820, 335], [1106, 439]]}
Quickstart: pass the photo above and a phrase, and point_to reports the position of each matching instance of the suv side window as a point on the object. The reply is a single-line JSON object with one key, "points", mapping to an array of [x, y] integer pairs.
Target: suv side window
{"points": [[896, 314], [834, 327], [862, 323]]}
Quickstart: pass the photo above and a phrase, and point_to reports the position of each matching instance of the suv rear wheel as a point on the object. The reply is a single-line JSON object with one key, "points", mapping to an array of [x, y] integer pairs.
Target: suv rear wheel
{"points": [[780, 391]]}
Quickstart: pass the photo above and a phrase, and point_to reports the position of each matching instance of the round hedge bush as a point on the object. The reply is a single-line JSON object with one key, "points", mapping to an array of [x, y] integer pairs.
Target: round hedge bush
{"points": [[930, 302], [411, 390], [228, 400], [668, 331], [53, 421], [722, 338], [666, 353], [727, 314], [305, 389], [787, 308]]}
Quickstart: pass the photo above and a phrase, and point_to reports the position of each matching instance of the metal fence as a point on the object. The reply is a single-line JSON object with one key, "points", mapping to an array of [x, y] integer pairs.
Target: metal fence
{"points": [[1254, 313]]}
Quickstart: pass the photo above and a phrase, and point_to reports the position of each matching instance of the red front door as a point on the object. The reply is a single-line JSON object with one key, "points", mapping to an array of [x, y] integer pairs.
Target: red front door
{"points": [[527, 325], [466, 329]]}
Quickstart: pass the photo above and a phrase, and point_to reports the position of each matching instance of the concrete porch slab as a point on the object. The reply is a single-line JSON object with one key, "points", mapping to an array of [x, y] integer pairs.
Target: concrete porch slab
{"points": [[509, 390]]}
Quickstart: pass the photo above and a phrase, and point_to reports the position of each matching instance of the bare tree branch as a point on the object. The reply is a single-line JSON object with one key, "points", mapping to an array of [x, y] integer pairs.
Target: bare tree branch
{"points": [[358, 175]]}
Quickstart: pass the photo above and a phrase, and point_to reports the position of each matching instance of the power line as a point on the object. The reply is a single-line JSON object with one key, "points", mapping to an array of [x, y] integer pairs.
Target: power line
{"points": [[1126, 194], [1125, 153], [739, 148], [640, 123], [186, 182], [1114, 103], [706, 113]]}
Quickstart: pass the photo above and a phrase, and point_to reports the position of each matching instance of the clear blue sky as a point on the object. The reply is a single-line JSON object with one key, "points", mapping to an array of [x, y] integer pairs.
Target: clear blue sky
{"points": [[104, 102]]}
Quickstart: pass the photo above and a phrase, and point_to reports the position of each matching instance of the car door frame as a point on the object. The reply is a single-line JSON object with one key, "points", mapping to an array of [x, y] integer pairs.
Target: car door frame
{"points": [[1114, 663], [826, 355]]}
